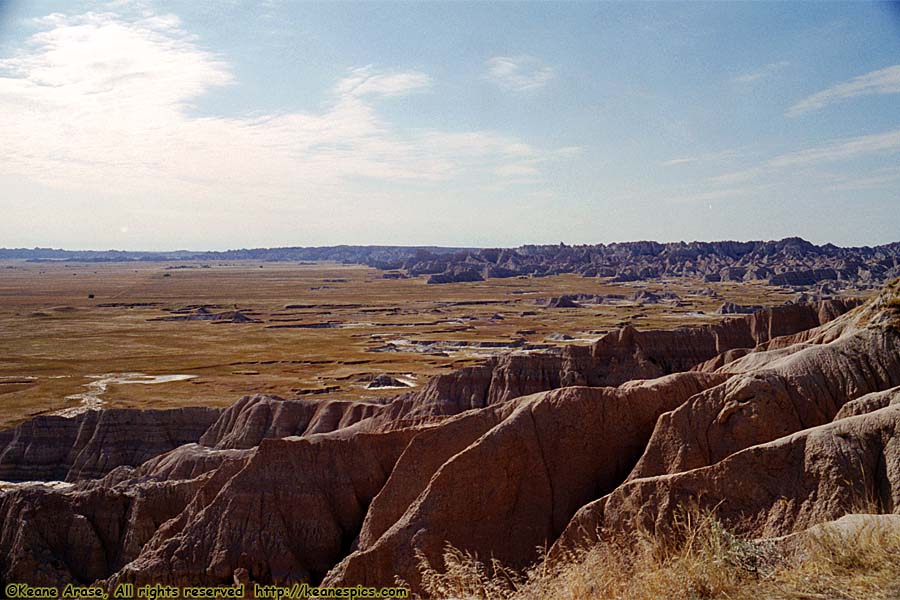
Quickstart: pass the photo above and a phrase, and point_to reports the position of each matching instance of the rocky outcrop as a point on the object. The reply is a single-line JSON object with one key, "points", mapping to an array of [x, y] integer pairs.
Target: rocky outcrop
{"points": [[790, 262], [515, 472], [91, 444], [803, 277], [252, 419], [778, 427], [648, 297], [387, 381], [631, 354], [289, 514], [869, 403], [730, 308], [619, 356], [562, 302], [202, 313], [616, 358], [768, 490], [459, 274], [772, 393], [54, 534]]}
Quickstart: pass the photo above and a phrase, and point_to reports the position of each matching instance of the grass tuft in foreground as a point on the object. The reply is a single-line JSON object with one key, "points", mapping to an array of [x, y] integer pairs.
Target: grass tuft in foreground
{"points": [[701, 560]]}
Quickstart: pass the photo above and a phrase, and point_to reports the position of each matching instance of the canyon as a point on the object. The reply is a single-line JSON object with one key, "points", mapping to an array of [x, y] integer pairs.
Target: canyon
{"points": [[781, 420]]}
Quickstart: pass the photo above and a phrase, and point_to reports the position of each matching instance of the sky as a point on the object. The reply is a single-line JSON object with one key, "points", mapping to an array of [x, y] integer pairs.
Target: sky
{"points": [[162, 125]]}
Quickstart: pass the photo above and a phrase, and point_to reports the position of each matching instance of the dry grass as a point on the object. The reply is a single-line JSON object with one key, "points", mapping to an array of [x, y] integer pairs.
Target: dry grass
{"points": [[703, 560], [54, 335], [894, 301], [894, 306], [862, 563]]}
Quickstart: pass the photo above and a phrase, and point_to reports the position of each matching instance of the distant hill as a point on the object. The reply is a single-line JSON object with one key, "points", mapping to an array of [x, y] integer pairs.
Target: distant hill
{"points": [[376, 256], [791, 262]]}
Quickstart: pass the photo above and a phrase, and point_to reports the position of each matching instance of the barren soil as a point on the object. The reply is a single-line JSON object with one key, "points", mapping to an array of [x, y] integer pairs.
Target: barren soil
{"points": [[56, 340]]}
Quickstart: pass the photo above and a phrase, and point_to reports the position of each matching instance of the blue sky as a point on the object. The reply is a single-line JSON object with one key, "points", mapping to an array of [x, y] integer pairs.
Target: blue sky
{"points": [[169, 124]]}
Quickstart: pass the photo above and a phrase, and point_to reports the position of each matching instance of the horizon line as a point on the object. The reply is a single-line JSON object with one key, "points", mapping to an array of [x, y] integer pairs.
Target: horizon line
{"points": [[434, 246]]}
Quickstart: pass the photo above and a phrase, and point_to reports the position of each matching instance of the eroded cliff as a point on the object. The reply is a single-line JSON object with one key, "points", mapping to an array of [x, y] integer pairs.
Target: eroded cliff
{"points": [[786, 416]]}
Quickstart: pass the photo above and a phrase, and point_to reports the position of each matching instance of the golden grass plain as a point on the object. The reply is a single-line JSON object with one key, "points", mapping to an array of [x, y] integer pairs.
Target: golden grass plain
{"points": [[54, 337]]}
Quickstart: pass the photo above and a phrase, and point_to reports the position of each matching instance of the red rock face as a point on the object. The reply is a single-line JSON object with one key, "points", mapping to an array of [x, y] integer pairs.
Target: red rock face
{"points": [[514, 472], [93, 443], [776, 424], [779, 394], [255, 418], [790, 484], [289, 513]]}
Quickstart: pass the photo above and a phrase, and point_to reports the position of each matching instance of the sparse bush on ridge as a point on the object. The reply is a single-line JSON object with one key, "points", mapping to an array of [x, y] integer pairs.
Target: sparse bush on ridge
{"points": [[701, 560]]}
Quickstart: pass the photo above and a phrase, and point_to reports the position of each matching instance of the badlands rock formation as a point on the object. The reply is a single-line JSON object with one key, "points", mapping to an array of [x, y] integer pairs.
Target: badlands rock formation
{"points": [[789, 262], [783, 419], [89, 445]]}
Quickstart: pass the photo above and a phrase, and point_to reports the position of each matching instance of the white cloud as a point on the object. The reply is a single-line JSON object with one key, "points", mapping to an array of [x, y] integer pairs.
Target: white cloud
{"points": [[568, 151], [840, 150], [518, 73], [102, 103], [786, 171], [526, 170], [877, 179], [679, 161], [709, 157], [883, 81], [762, 72], [844, 149], [365, 81], [710, 196]]}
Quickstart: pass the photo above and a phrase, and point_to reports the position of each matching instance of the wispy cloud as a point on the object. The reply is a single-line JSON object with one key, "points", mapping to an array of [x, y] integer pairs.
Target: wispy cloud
{"points": [[103, 102], [844, 149], [710, 196], [709, 157], [882, 81], [366, 81], [877, 179], [680, 161], [518, 73], [762, 72], [840, 150], [786, 171]]}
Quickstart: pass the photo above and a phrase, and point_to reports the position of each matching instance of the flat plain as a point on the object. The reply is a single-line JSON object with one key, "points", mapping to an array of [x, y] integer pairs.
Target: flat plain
{"points": [[76, 333]]}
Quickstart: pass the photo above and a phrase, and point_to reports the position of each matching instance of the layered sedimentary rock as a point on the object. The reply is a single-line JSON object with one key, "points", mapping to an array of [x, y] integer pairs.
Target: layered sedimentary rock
{"points": [[791, 261], [254, 418], [869, 403], [768, 490], [53, 534], [773, 393], [787, 262], [782, 419], [515, 472], [93, 443], [617, 357], [289, 513], [799, 434]]}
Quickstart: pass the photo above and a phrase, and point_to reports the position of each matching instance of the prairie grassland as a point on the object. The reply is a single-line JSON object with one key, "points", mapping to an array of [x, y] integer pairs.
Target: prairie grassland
{"points": [[61, 323]]}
